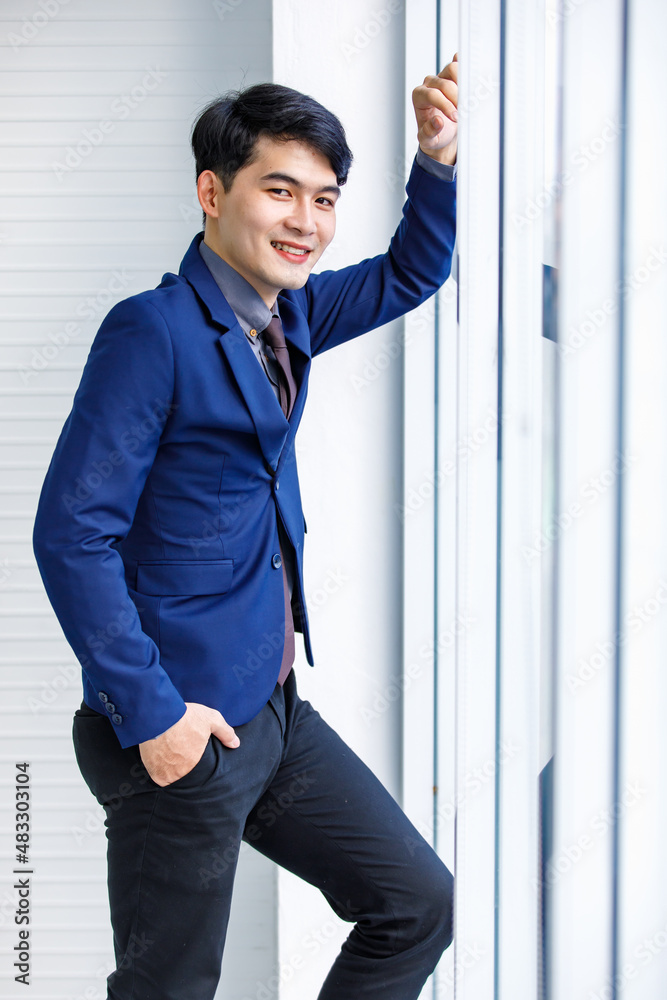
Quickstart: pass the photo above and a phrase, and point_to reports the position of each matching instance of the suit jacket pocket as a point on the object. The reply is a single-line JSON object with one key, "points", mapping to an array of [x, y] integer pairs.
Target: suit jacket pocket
{"points": [[184, 578]]}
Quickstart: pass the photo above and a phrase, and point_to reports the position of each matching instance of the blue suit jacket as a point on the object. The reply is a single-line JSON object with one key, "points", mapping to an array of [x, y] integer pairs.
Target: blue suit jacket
{"points": [[156, 530]]}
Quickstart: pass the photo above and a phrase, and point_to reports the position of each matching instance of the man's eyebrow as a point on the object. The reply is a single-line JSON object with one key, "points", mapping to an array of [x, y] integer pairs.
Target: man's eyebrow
{"points": [[275, 176]]}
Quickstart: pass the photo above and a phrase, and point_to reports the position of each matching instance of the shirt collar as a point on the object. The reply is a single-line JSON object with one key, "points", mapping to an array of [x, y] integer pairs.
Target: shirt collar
{"points": [[249, 307]]}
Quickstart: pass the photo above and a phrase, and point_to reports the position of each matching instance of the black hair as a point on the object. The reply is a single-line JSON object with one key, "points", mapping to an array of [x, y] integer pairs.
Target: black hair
{"points": [[225, 135]]}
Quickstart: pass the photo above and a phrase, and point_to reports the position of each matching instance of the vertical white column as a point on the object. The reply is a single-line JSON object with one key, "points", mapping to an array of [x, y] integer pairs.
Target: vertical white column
{"points": [[418, 507], [642, 877], [520, 501], [447, 625], [476, 569], [580, 871]]}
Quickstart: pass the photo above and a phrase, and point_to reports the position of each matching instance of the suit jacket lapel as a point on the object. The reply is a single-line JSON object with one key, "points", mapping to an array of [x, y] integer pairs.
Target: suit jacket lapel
{"points": [[272, 427]]}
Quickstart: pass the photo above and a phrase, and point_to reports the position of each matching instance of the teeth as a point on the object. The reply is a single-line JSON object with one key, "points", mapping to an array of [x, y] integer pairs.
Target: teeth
{"points": [[288, 249]]}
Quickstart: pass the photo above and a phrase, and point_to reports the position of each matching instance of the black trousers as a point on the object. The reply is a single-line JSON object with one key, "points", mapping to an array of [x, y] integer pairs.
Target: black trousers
{"points": [[294, 791]]}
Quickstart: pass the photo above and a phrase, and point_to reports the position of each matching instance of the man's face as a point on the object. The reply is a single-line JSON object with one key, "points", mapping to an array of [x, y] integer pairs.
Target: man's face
{"points": [[278, 217]]}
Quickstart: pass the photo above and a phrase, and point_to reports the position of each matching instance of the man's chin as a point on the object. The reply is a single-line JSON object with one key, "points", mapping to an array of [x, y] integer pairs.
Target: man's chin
{"points": [[294, 281]]}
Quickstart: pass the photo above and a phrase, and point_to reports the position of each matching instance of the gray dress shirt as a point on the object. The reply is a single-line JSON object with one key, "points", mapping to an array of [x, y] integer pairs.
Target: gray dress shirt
{"points": [[249, 308], [444, 171]]}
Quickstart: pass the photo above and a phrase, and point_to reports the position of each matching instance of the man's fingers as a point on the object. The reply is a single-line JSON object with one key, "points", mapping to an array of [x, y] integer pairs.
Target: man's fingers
{"points": [[214, 722], [450, 72], [447, 88], [432, 97], [444, 83], [224, 732]]}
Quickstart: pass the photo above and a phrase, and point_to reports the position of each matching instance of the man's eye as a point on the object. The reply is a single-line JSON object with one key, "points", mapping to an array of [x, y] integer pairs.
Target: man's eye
{"points": [[279, 190], [327, 200]]}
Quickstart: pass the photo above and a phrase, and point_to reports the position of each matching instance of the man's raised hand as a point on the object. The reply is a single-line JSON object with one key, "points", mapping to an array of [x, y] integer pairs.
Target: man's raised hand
{"points": [[435, 103]]}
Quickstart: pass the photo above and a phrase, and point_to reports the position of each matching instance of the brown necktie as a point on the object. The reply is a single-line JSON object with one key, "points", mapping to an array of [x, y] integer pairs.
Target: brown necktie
{"points": [[275, 338]]}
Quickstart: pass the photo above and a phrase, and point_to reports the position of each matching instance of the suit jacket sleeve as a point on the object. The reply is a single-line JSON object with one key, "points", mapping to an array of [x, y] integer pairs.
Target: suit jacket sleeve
{"points": [[87, 504], [345, 303]]}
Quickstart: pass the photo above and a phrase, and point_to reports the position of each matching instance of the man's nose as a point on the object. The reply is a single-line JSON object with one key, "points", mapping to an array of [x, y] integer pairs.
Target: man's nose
{"points": [[301, 218]]}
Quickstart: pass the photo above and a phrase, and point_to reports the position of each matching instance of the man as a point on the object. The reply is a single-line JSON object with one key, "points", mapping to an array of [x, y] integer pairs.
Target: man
{"points": [[169, 535]]}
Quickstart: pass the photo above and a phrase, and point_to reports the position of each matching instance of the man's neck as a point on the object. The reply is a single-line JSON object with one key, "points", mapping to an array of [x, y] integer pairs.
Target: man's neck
{"points": [[269, 297]]}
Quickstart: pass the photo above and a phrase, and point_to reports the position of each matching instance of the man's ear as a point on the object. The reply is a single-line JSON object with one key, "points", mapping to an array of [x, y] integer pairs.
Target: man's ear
{"points": [[210, 193]]}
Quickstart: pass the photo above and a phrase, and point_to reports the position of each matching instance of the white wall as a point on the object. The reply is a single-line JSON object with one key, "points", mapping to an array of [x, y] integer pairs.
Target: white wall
{"points": [[73, 241]]}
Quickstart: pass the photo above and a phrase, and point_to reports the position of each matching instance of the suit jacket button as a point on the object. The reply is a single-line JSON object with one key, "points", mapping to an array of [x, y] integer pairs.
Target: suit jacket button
{"points": [[117, 718], [276, 561], [111, 708], [103, 696]]}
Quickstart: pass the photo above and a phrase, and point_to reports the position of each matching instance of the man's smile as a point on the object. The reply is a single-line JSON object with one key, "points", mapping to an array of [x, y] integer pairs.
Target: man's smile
{"points": [[291, 251]]}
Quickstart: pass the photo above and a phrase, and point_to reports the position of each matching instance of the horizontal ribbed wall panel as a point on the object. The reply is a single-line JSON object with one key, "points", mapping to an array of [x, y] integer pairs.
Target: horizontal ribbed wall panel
{"points": [[97, 201]]}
